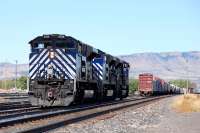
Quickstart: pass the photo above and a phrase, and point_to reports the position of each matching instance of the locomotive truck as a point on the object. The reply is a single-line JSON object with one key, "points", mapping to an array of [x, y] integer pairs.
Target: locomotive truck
{"points": [[64, 70]]}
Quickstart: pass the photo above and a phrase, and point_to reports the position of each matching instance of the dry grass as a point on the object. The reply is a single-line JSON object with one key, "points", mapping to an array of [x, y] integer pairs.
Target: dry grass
{"points": [[187, 103]]}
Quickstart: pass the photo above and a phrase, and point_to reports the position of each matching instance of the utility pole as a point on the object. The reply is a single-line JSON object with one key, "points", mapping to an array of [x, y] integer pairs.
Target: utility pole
{"points": [[5, 76], [187, 71], [27, 84], [16, 74]]}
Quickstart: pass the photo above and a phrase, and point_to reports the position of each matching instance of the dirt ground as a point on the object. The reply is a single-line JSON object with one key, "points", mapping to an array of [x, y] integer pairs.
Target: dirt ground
{"points": [[180, 115]]}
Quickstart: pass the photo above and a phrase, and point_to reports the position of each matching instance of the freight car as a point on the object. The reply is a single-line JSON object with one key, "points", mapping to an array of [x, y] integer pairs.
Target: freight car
{"points": [[148, 84], [64, 70], [151, 85]]}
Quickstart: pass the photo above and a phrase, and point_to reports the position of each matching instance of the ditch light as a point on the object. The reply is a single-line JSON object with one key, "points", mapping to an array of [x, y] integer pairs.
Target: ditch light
{"points": [[51, 54]]}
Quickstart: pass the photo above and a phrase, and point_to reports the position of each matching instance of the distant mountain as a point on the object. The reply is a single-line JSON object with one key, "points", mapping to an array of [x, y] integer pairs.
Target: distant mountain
{"points": [[8, 70], [170, 65]]}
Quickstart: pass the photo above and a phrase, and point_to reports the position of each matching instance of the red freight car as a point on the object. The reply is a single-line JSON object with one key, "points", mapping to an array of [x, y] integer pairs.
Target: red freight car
{"points": [[148, 84]]}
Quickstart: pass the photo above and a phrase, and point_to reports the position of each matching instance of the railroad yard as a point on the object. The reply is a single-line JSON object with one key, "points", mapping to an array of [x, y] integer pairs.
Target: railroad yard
{"points": [[136, 114], [100, 66], [73, 87]]}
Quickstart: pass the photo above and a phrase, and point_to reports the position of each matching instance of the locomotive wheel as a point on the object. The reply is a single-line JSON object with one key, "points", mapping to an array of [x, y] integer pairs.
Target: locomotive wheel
{"points": [[79, 97], [99, 92], [100, 96]]}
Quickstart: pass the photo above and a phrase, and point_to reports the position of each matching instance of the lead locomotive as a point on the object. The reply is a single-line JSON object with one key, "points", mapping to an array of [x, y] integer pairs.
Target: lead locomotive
{"points": [[63, 70]]}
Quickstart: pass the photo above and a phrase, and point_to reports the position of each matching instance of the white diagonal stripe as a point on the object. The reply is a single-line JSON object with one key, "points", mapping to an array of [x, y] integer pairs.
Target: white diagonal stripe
{"points": [[31, 73], [33, 77], [67, 66], [64, 69], [100, 77], [69, 62], [33, 57], [38, 64], [99, 65], [59, 65], [46, 62], [72, 58], [43, 67], [36, 61], [98, 69], [54, 66]]}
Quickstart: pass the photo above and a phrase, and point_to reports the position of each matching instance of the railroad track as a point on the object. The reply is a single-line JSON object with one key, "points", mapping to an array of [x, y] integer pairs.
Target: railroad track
{"points": [[21, 111], [51, 113], [16, 97], [28, 112], [61, 117], [14, 105], [18, 110], [12, 94]]}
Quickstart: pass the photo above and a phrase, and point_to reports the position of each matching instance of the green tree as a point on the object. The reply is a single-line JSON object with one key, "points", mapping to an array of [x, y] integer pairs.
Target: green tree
{"points": [[133, 85], [181, 83], [22, 83]]}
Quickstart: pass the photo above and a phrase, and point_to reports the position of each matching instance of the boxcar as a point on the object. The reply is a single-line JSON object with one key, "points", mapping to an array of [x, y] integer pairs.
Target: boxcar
{"points": [[149, 85]]}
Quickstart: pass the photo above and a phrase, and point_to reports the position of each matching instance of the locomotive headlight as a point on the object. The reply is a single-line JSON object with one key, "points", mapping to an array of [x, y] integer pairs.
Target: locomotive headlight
{"points": [[62, 76], [51, 55]]}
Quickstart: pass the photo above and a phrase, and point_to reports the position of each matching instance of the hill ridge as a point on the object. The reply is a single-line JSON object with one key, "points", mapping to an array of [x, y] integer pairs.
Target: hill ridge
{"points": [[166, 65]]}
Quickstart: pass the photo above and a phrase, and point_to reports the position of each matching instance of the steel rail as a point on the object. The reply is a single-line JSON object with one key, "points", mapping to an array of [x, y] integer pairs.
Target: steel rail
{"points": [[81, 117], [20, 119]]}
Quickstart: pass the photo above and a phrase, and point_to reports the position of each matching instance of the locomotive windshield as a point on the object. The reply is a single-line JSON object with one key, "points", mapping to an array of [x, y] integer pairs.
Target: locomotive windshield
{"points": [[50, 44], [40, 45]]}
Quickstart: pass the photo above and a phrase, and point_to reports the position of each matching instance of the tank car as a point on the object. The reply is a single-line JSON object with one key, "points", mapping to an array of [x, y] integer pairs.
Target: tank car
{"points": [[64, 70]]}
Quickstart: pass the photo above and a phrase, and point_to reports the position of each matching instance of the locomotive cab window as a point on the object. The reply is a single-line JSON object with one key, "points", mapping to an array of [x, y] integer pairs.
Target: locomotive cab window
{"points": [[40, 45], [61, 45], [64, 45], [37, 46]]}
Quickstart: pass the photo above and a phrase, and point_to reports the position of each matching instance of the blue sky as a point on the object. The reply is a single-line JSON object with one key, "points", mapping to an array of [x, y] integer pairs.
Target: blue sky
{"points": [[116, 27]]}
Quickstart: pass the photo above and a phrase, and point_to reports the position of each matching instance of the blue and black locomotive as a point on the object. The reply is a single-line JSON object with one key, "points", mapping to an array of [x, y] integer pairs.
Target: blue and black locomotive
{"points": [[64, 70]]}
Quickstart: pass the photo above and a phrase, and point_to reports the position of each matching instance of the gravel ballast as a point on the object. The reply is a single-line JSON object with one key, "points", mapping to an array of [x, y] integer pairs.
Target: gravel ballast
{"points": [[158, 117]]}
